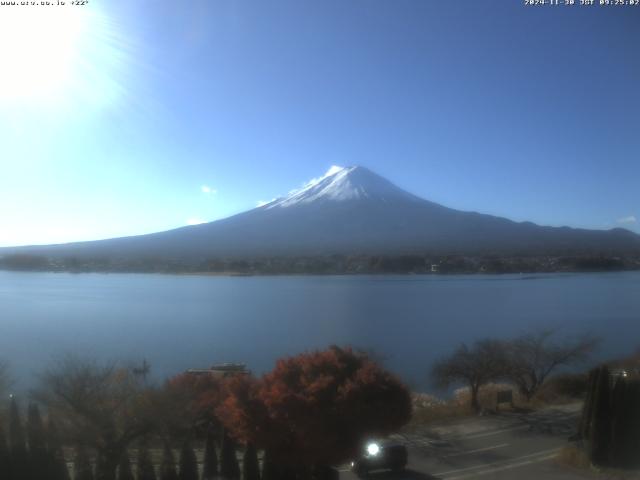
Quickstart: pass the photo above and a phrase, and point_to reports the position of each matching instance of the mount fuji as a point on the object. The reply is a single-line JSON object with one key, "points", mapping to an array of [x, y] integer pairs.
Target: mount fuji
{"points": [[351, 210]]}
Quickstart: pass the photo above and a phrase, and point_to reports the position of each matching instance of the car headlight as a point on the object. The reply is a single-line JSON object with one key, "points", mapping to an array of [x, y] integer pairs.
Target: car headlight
{"points": [[373, 449]]}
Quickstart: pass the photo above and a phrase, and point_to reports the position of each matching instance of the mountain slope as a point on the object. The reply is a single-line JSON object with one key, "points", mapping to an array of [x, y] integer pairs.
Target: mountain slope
{"points": [[353, 210]]}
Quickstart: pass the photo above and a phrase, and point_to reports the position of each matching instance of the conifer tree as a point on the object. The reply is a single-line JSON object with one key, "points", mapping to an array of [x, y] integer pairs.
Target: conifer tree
{"points": [[600, 429], [229, 468], [632, 445], [587, 409], [4, 454], [168, 467], [124, 468], [55, 453], [625, 441], [17, 444], [250, 466], [188, 463], [269, 469], [36, 438], [210, 467], [82, 465], [619, 419], [145, 470], [16, 431], [100, 469]]}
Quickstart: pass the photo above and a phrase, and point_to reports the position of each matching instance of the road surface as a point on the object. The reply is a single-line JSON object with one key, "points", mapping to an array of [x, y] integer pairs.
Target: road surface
{"points": [[500, 446]]}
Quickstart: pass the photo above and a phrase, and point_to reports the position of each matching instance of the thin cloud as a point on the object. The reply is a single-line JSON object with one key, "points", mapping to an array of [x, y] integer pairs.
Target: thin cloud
{"points": [[627, 220], [206, 189], [262, 203], [195, 221], [332, 171]]}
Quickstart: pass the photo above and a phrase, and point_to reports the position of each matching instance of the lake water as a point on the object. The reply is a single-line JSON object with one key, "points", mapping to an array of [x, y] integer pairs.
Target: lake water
{"points": [[179, 322]]}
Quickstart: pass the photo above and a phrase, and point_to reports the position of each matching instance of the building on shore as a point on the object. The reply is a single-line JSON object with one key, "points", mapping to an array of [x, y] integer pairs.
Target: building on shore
{"points": [[221, 370]]}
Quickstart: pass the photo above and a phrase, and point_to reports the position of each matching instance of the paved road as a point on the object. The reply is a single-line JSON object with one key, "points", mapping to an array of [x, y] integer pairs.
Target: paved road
{"points": [[502, 446]]}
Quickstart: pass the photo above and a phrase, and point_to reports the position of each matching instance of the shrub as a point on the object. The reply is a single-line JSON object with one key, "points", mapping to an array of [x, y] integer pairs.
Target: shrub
{"points": [[563, 388]]}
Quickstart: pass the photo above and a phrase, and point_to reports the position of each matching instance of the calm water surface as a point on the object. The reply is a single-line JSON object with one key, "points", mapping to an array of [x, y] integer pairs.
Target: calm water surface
{"points": [[178, 322]]}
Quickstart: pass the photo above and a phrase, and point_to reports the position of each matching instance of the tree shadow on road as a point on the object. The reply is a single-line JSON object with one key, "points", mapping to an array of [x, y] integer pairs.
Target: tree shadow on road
{"points": [[406, 474]]}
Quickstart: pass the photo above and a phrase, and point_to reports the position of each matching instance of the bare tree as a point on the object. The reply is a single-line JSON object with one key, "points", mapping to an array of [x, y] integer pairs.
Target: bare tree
{"points": [[534, 356], [104, 407], [474, 366]]}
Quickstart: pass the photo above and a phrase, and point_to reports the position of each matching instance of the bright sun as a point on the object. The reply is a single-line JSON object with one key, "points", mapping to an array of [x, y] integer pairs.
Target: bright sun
{"points": [[38, 48], [57, 53]]}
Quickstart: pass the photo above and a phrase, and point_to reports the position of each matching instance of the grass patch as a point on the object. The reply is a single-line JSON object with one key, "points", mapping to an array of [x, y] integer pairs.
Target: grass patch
{"points": [[574, 457], [436, 413], [560, 389]]}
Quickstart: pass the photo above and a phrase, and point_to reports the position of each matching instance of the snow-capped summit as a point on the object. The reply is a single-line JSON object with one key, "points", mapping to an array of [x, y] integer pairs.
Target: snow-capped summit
{"points": [[341, 184]]}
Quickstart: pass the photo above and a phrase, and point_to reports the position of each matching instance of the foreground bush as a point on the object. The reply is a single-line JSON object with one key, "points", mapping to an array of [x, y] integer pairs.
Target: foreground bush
{"points": [[563, 388]]}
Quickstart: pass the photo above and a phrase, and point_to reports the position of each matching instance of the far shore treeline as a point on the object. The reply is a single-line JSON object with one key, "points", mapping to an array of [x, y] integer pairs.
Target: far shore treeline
{"points": [[327, 264]]}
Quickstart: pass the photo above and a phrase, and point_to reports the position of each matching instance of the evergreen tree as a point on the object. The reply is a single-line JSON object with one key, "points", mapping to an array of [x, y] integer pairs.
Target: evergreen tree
{"points": [[188, 463], [610, 421], [625, 441], [600, 428], [82, 465], [4, 455], [269, 469], [229, 468], [619, 420], [17, 445], [250, 466], [210, 467], [632, 444], [168, 467], [587, 409], [145, 470], [36, 437], [57, 463], [100, 469], [124, 469]]}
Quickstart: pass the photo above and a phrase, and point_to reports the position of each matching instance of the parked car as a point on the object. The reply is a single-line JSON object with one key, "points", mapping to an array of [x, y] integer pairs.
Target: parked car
{"points": [[380, 455]]}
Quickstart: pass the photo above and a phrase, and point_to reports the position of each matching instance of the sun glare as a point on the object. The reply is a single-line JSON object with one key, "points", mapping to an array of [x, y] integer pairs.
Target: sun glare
{"points": [[57, 54], [37, 49]]}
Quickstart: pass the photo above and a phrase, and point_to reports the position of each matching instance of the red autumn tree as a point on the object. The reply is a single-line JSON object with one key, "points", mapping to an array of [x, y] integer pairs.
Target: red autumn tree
{"points": [[243, 411], [316, 409]]}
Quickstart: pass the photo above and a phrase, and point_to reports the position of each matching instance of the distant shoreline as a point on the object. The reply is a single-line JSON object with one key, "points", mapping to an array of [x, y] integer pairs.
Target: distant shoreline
{"points": [[331, 265]]}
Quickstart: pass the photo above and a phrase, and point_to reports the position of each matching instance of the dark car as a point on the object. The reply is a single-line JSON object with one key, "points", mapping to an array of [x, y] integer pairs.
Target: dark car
{"points": [[380, 455]]}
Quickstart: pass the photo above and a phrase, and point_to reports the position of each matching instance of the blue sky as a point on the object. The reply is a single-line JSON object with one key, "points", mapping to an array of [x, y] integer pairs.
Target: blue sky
{"points": [[113, 117]]}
